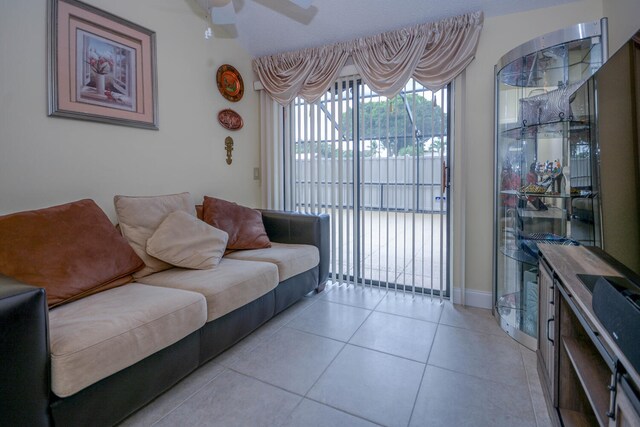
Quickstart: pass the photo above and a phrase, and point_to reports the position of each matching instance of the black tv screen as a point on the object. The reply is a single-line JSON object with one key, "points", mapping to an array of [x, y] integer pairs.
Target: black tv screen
{"points": [[609, 102]]}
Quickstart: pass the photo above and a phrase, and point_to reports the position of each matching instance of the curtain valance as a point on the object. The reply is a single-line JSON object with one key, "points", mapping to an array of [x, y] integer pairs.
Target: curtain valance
{"points": [[433, 53]]}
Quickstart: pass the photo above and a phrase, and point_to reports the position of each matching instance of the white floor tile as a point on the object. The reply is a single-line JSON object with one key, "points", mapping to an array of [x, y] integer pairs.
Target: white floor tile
{"points": [[233, 399], [331, 320], [400, 336], [483, 355], [169, 400], [375, 379], [417, 307], [369, 384], [449, 398], [357, 296], [476, 319], [314, 414], [290, 359]]}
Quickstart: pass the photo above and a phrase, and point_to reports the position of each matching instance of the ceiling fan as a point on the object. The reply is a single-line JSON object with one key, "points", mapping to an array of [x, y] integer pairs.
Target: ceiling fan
{"points": [[222, 12]]}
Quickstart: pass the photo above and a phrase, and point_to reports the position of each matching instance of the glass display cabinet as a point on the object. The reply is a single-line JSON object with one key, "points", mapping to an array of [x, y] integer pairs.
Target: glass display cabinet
{"points": [[543, 161]]}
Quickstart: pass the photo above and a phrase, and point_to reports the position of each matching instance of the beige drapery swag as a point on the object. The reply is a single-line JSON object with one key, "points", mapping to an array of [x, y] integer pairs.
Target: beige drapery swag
{"points": [[433, 53]]}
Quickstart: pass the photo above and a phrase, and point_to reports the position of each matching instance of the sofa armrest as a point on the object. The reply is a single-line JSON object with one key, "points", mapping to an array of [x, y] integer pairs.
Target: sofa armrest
{"points": [[300, 228], [24, 354]]}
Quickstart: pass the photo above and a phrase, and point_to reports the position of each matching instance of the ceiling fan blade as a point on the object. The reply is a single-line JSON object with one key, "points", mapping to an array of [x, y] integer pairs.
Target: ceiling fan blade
{"points": [[223, 15], [302, 3]]}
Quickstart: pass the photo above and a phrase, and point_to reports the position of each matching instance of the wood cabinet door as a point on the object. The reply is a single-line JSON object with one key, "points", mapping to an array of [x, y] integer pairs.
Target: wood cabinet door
{"points": [[546, 327], [626, 414]]}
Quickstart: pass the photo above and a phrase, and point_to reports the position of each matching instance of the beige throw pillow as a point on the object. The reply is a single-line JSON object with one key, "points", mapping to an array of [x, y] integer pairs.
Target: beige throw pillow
{"points": [[185, 241], [139, 217]]}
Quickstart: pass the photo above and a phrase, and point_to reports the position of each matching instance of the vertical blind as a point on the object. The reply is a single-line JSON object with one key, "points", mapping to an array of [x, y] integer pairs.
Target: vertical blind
{"points": [[376, 166]]}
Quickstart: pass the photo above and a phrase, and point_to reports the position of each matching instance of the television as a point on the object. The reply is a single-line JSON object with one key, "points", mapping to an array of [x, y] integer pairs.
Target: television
{"points": [[609, 105]]}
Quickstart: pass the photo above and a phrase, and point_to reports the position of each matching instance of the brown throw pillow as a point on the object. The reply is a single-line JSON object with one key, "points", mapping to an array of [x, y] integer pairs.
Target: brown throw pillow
{"points": [[244, 225], [72, 250]]}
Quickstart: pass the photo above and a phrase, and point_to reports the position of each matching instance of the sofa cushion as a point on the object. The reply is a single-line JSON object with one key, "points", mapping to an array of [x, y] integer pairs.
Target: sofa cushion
{"points": [[290, 259], [71, 250], [139, 217], [185, 241], [232, 284], [102, 334], [244, 225]]}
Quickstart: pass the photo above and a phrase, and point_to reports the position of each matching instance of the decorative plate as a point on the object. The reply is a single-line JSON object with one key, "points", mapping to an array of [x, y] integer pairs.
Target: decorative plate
{"points": [[230, 83], [230, 120]]}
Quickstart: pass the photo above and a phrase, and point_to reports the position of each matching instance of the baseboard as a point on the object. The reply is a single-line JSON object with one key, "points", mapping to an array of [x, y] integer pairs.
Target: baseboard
{"points": [[480, 299]]}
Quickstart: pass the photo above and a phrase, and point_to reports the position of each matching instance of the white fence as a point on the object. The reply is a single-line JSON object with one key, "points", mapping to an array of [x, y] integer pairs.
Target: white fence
{"points": [[394, 183]]}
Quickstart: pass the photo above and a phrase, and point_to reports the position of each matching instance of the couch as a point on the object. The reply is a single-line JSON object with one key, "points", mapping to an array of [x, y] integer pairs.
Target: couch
{"points": [[96, 360]]}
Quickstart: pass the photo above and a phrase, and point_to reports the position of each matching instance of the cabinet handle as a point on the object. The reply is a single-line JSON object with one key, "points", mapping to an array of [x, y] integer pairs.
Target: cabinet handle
{"points": [[548, 328]]}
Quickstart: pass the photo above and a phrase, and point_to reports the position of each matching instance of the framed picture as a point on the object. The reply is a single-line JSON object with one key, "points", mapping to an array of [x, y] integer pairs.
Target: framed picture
{"points": [[101, 67]]}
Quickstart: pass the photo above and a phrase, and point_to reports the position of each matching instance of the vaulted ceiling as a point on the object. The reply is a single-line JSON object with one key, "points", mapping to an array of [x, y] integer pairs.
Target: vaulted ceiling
{"points": [[270, 26]]}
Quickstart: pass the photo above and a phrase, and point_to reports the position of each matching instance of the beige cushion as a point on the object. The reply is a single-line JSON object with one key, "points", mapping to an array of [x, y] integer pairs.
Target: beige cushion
{"points": [[104, 333], [139, 217], [290, 259], [227, 287], [185, 241]]}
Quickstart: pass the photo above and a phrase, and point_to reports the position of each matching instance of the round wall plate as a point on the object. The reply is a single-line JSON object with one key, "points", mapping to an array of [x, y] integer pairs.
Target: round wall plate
{"points": [[229, 119], [230, 83]]}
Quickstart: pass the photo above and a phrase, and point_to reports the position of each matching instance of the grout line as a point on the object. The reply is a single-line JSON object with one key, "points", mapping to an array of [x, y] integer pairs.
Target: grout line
{"points": [[357, 345], [294, 408], [360, 326], [503, 335], [259, 341], [347, 305], [190, 395], [344, 411], [315, 334], [390, 354], [325, 370], [266, 383], [352, 305], [500, 383], [407, 317], [424, 371], [526, 372]]}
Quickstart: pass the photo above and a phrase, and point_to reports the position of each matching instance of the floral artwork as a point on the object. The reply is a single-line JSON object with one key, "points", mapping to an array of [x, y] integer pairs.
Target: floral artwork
{"points": [[108, 71], [100, 63], [101, 68]]}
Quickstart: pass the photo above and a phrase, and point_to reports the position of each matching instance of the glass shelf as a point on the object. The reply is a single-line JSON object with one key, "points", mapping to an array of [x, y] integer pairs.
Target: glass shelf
{"points": [[533, 130], [525, 195], [519, 255], [542, 139], [527, 71]]}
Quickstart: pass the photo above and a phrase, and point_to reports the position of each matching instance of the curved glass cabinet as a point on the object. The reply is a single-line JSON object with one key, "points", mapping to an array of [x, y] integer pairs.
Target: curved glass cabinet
{"points": [[543, 181]]}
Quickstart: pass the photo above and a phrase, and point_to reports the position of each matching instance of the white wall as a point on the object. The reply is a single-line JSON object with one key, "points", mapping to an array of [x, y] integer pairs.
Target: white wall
{"points": [[46, 161], [624, 21], [474, 168]]}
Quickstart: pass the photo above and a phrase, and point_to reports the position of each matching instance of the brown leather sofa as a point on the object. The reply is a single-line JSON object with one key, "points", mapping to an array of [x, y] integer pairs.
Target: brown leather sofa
{"points": [[26, 396]]}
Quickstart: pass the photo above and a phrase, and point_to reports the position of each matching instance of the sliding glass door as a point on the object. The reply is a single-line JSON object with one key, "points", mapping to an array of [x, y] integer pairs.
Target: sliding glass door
{"points": [[378, 167]]}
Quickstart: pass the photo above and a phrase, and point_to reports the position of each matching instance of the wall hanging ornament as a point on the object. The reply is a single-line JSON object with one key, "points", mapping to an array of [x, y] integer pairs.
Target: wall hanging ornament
{"points": [[228, 146], [230, 83], [230, 120]]}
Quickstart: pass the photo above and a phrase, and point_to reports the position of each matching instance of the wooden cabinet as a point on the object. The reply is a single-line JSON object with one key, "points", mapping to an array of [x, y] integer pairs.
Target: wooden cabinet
{"points": [[547, 324], [626, 412], [586, 379]]}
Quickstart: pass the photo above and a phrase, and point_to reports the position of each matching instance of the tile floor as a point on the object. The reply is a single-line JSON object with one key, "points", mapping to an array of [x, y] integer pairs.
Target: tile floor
{"points": [[353, 357]]}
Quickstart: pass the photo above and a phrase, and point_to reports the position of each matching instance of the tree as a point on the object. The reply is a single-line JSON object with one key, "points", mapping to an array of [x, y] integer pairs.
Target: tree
{"points": [[389, 121]]}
